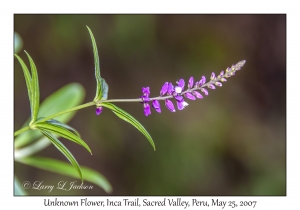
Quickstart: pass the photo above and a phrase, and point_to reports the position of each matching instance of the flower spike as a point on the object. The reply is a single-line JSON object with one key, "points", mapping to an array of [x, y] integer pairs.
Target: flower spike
{"points": [[178, 93]]}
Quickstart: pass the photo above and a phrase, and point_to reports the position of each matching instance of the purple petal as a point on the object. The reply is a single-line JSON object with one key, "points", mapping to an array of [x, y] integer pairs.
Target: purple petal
{"points": [[178, 97], [181, 83], [191, 82], [196, 84], [222, 73], [204, 91], [219, 84], [146, 91], [147, 110], [158, 110], [197, 94], [189, 96], [164, 89], [180, 105], [223, 80], [99, 110], [156, 105], [170, 105], [211, 86], [170, 88], [213, 76], [202, 81]]}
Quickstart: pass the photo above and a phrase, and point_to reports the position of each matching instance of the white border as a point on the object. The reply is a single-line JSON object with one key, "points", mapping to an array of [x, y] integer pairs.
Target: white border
{"points": [[155, 6]]}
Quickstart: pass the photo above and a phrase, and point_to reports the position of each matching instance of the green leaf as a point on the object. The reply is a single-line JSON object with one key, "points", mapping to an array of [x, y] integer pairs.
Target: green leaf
{"points": [[102, 87], [56, 122], [35, 90], [128, 118], [63, 150], [27, 79], [18, 189], [64, 168], [65, 98], [61, 131]]}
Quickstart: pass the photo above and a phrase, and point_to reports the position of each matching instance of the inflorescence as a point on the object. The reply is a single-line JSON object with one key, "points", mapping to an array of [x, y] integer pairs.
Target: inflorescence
{"points": [[169, 91], [192, 92]]}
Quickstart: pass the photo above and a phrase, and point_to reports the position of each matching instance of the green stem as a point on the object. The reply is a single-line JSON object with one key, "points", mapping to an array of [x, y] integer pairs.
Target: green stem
{"points": [[115, 100], [68, 110], [55, 115], [21, 130]]}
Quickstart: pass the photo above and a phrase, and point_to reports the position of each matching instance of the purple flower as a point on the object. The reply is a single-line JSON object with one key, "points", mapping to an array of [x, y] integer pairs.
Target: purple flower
{"points": [[219, 84], [147, 110], [196, 84], [197, 94], [213, 76], [222, 73], [191, 82], [211, 86], [223, 80], [178, 97], [146, 91], [189, 96], [145, 98], [181, 105], [204, 91], [99, 110], [170, 105], [202, 81], [179, 88], [181, 83], [164, 89], [156, 106], [170, 88]]}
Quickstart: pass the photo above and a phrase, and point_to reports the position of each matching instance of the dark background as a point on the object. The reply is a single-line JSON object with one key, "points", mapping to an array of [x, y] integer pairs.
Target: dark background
{"points": [[232, 142]]}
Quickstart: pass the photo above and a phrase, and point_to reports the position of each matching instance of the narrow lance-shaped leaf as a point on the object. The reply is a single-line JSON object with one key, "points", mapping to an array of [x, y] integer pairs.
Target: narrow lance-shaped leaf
{"points": [[28, 81], [128, 118], [63, 150], [66, 169], [102, 87], [61, 131], [97, 67], [35, 93], [56, 122]]}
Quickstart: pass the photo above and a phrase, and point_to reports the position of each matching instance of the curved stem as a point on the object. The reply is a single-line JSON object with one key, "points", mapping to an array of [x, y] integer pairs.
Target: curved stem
{"points": [[98, 103], [55, 115], [68, 110], [114, 100], [21, 130]]}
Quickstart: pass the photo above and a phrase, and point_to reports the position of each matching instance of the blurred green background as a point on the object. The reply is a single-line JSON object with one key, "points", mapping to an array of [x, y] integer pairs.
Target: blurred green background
{"points": [[232, 142]]}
